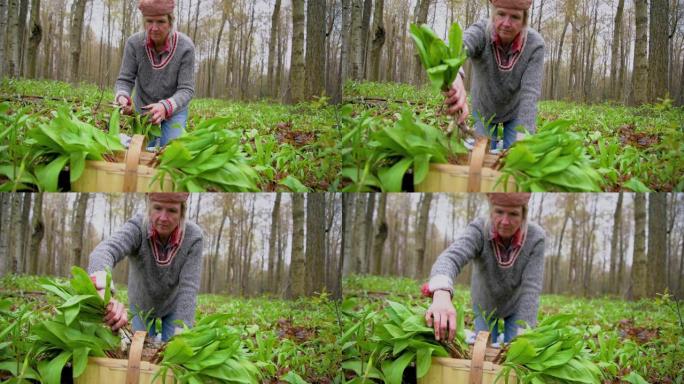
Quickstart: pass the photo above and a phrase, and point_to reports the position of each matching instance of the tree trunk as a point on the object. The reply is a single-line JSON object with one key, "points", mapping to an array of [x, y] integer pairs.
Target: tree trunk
{"points": [[297, 81], [589, 255], [75, 33], [421, 231], [315, 48], [38, 230], [639, 274], [365, 27], [275, 214], [197, 9], [212, 73], [348, 236], [343, 70], [12, 44], [378, 40], [297, 282], [640, 74], [5, 209], [556, 271], [617, 33], [272, 43], [34, 39], [617, 219], [380, 235], [315, 242], [659, 26], [368, 230], [3, 29], [657, 242], [77, 229], [356, 38], [15, 233], [25, 231], [360, 235]]}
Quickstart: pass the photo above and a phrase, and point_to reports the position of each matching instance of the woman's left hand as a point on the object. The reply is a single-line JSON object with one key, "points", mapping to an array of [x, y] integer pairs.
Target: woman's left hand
{"points": [[156, 111]]}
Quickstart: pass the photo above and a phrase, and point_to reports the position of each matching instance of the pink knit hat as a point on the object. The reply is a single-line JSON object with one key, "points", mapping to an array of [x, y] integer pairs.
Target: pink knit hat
{"points": [[522, 5], [509, 199], [156, 7], [169, 197]]}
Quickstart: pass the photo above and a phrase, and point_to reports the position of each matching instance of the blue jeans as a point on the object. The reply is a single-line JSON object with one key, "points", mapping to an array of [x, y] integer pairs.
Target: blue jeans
{"points": [[171, 128], [509, 132], [168, 326], [510, 327]]}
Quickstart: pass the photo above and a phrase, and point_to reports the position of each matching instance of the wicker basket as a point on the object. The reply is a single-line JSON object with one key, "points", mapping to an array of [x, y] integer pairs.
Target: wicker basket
{"points": [[130, 173], [116, 371], [478, 176], [479, 370]]}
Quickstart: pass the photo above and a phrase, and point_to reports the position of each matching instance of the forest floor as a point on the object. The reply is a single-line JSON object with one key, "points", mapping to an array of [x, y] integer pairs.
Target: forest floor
{"points": [[303, 336], [292, 148], [301, 148], [644, 144]]}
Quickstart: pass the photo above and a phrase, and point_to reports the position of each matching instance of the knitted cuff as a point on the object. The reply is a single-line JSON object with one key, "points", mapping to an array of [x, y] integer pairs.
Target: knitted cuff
{"points": [[168, 106], [440, 283]]}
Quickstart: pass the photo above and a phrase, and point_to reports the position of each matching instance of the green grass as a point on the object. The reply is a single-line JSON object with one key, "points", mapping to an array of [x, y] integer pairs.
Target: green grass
{"points": [[301, 335]]}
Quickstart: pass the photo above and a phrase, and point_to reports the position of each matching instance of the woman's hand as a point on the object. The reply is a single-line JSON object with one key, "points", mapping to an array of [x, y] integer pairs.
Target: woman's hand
{"points": [[442, 316], [116, 315], [156, 111], [125, 104], [456, 100]]}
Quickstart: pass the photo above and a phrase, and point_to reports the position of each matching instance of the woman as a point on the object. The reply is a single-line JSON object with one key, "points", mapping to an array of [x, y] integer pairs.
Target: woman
{"points": [[165, 263], [160, 63], [508, 65], [508, 269]]}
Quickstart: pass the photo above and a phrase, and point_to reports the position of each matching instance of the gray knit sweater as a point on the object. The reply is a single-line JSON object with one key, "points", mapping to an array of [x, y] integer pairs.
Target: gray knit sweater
{"points": [[164, 290], [506, 291], [171, 81], [506, 95]]}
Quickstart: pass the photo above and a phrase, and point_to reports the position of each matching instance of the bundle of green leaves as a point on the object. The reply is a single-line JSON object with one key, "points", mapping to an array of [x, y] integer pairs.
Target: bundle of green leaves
{"points": [[552, 160], [77, 330], [442, 62], [210, 158], [554, 352], [393, 150], [210, 352], [399, 337], [66, 140]]}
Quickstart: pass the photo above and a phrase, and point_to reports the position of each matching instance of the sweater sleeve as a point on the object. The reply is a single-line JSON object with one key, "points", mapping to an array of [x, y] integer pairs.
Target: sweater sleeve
{"points": [[189, 285], [114, 249], [128, 72], [532, 281], [475, 39], [530, 89], [451, 262], [186, 82]]}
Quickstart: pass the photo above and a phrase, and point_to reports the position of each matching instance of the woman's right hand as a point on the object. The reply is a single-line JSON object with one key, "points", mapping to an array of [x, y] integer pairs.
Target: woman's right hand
{"points": [[116, 315], [125, 104], [442, 316], [456, 100]]}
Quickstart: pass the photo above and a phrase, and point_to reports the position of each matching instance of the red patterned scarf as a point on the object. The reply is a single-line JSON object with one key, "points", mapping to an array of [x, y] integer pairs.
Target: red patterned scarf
{"points": [[507, 254]]}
